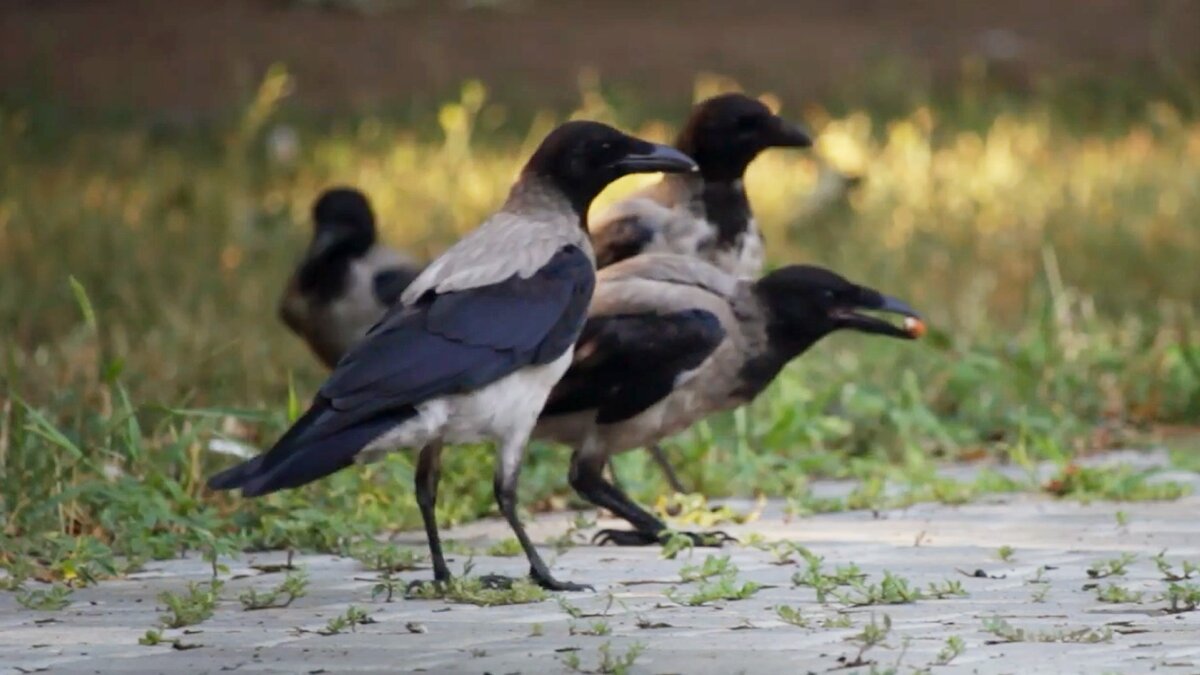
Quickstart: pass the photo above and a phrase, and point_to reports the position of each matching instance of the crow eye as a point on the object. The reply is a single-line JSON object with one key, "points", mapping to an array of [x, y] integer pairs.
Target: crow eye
{"points": [[829, 295], [747, 123]]}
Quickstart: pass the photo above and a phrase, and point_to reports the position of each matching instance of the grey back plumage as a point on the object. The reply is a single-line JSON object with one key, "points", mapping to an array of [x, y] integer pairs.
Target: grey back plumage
{"points": [[671, 217], [663, 284], [497, 249]]}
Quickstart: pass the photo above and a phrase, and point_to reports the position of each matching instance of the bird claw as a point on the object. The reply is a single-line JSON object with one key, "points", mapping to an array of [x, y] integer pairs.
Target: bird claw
{"points": [[623, 538], [714, 539], [497, 582], [418, 586], [503, 583], [552, 584]]}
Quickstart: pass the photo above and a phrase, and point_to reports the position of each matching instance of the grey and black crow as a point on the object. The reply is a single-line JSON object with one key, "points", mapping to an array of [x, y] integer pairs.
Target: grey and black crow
{"points": [[671, 339], [476, 342], [346, 280], [705, 215]]}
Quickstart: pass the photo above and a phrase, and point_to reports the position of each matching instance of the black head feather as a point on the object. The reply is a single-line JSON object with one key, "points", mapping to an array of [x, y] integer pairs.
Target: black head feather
{"points": [[581, 158], [725, 133], [343, 229], [805, 303]]}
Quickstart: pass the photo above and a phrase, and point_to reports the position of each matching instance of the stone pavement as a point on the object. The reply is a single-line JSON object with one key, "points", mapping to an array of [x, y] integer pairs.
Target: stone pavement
{"points": [[99, 631]]}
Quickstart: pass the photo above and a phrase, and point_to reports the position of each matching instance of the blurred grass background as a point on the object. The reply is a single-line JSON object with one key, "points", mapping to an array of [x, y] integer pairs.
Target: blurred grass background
{"points": [[1046, 225]]}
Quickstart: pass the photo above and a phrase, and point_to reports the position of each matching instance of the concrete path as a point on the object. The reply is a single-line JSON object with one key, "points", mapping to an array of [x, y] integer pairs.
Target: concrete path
{"points": [[1044, 589]]}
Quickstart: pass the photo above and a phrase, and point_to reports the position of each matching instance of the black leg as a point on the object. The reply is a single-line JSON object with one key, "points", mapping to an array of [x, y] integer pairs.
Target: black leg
{"points": [[588, 480], [660, 457], [612, 472], [508, 468], [429, 465]]}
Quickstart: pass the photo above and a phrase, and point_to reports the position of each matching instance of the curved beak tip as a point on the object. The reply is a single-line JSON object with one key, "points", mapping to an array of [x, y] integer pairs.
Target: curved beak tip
{"points": [[914, 326], [794, 135]]}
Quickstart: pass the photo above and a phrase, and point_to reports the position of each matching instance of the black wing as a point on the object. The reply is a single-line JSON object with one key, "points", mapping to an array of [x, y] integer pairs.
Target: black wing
{"points": [[620, 239], [446, 344], [626, 363], [389, 284]]}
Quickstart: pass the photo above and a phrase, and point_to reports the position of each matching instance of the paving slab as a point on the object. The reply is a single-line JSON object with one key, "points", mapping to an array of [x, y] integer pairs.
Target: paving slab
{"points": [[1044, 589]]}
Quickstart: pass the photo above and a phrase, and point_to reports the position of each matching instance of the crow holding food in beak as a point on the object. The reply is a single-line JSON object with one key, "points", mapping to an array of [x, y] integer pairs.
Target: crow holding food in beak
{"points": [[705, 215], [670, 340]]}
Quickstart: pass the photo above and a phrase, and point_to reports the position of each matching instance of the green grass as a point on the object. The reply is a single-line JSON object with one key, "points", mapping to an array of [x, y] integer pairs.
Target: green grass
{"points": [[139, 267]]}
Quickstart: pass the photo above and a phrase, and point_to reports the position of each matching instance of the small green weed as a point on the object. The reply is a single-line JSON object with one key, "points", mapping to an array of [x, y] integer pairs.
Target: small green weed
{"points": [[949, 588], [822, 582], [191, 608], [1118, 594], [1112, 567], [1112, 483], [350, 620], [873, 634], [1187, 568], [610, 663], [953, 649], [726, 588], [598, 628], [505, 548], [791, 615], [892, 590], [713, 566], [1006, 632], [386, 557], [1181, 597], [55, 598], [473, 591], [675, 543], [839, 620], [292, 587]]}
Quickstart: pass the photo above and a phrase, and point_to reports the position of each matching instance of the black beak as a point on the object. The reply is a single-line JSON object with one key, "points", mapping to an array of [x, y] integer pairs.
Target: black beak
{"points": [[652, 157], [330, 239], [849, 317], [788, 135], [324, 239]]}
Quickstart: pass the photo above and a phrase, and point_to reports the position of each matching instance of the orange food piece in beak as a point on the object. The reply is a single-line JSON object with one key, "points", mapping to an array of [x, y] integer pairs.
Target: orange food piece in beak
{"points": [[914, 326]]}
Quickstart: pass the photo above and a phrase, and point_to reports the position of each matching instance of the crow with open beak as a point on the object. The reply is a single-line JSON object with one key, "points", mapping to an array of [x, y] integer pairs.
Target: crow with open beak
{"points": [[670, 340]]}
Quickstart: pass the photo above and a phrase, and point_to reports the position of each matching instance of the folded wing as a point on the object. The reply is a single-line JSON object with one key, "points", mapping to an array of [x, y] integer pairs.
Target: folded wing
{"points": [[626, 363], [444, 344]]}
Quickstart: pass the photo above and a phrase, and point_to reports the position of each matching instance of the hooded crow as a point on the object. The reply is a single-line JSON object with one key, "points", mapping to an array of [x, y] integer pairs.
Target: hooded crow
{"points": [[476, 342], [671, 339], [346, 280], [706, 215]]}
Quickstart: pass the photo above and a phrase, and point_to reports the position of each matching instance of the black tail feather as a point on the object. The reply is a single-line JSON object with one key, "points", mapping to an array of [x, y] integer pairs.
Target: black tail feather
{"points": [[309, 461], [307, 451], [237, 476]]}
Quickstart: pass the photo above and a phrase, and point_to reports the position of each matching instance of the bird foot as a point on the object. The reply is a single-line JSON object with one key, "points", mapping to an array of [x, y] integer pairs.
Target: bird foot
{"points": [[497, 582], [714, 539], [501, 582], [551, 584], [426, 588]]}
